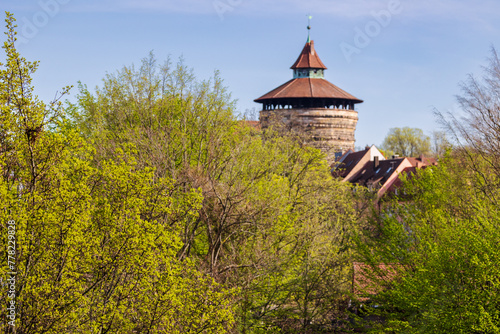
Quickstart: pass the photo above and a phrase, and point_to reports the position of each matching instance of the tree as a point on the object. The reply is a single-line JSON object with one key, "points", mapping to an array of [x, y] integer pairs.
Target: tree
{"points": [[272, 221], [95, 241], [476, 131], [442, 236], [440, 143], [444, 247], [407, 142]]}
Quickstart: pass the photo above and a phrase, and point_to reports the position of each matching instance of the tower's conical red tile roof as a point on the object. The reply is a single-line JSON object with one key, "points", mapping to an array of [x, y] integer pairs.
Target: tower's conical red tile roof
{"points": [[308, 88], [308, 58]]}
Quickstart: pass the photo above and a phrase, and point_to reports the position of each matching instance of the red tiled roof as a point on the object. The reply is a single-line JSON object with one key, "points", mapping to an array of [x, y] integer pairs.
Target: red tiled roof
{"points": [[369, 280], [369, 174], [422, 161], [253, 124], [410, 172], [343, 156], [308, 58], [348, 163], [308, 88]]}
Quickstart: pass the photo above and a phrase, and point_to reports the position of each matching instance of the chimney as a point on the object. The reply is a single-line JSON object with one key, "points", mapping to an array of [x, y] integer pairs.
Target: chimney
{"points": [[376, 162], [395, 156]]}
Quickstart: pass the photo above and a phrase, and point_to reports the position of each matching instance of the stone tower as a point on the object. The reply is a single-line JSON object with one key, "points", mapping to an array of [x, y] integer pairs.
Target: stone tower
{"points": [[312, 104]]}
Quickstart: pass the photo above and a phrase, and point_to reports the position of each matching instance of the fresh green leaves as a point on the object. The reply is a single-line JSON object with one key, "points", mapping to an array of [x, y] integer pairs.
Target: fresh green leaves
{"points": [[97, 237], [272, 222], [406, 142], [444, 243]]}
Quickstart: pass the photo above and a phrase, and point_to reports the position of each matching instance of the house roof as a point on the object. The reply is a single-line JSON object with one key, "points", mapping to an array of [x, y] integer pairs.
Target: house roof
{"points": [[308, 88], [370, 280], [348, 161], [308, 58], [370, 174], [253, 124], [416, 163], [340, 159], [371, 169], [422, 161]]}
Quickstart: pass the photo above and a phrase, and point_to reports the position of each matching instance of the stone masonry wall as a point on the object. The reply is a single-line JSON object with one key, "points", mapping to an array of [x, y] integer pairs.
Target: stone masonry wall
{"points": [[330, 130]]}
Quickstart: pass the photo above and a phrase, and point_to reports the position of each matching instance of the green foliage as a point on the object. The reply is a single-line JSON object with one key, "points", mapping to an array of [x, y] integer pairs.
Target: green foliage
{"points": [[444, 244], [96, 238], [272, 223], [476, 129], [294, 256], [442, 236], [172, 119], [146, 207], [440, 144], [406, 142]]}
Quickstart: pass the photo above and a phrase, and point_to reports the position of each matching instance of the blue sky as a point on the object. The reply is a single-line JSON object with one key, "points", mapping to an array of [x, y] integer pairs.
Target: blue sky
{"points": [[407, 64]]}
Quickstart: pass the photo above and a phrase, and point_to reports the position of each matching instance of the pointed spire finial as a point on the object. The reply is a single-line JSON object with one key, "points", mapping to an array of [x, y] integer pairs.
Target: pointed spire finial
{"points": [[309, 17]]}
